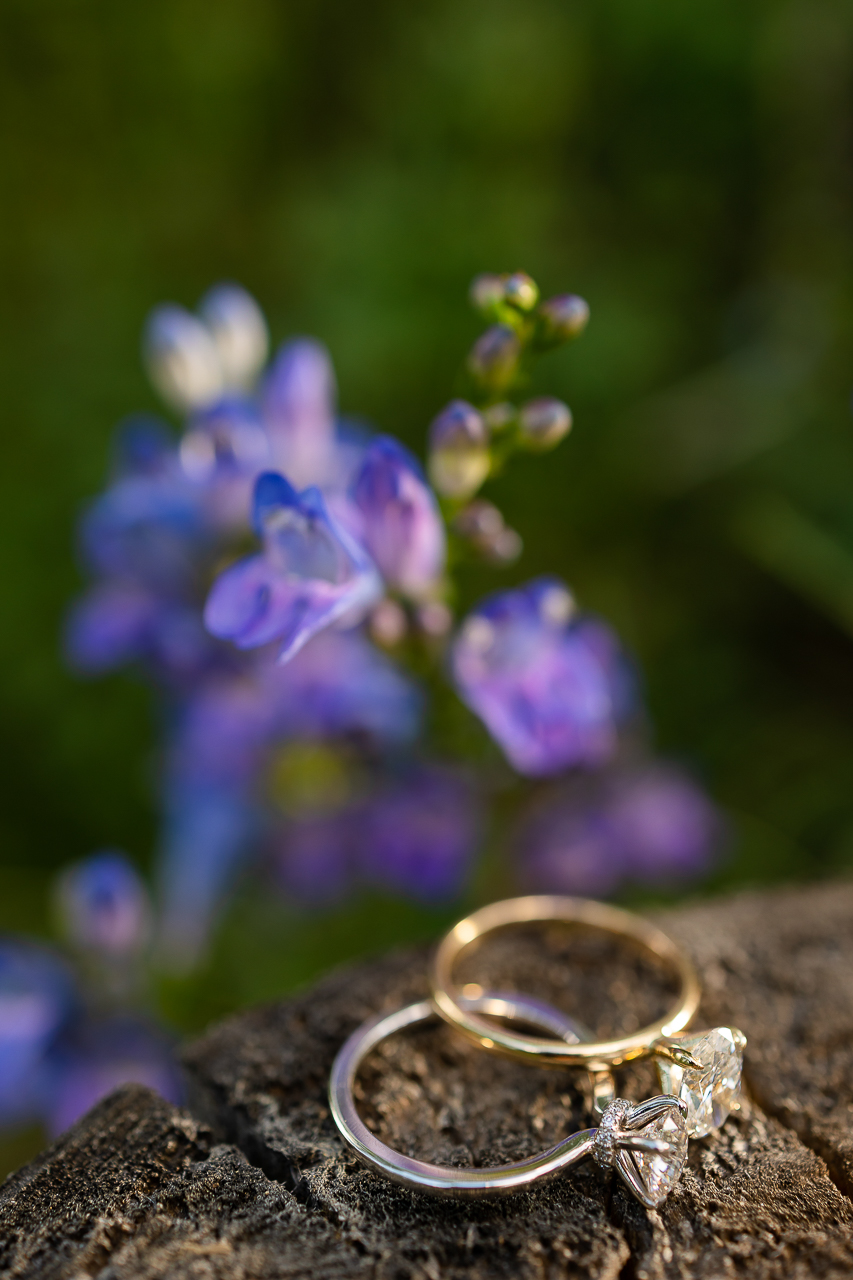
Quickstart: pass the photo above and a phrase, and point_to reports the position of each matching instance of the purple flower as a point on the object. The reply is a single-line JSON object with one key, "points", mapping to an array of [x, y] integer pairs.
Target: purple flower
{"points": [[148, 529], [208, 832], [421, 833], [299, 412], [663, 822], [310, 574], [221, 454], [119, 622], [341, 684], [104, 905], [550, 688], [315, 855], [36, 999], [401, 523], [98, 1056], [564, 846], [646, 823]]}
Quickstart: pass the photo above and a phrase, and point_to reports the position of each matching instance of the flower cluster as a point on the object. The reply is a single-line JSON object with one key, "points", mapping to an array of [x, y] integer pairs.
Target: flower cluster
{"points": [[281, 574], [67, 1038]]}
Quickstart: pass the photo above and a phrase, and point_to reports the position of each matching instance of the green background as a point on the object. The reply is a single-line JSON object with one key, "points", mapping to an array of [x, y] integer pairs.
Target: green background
{"points": [[685, 167]]}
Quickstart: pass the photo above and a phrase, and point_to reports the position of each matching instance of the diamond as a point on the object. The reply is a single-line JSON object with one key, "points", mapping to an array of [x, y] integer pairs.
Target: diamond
{"points": [[660, 1172], [712, 1090]]}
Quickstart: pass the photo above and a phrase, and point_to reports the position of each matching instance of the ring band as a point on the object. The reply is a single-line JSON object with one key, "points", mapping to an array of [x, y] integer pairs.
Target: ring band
{"points": [[646, 1144], [550, 1050]]}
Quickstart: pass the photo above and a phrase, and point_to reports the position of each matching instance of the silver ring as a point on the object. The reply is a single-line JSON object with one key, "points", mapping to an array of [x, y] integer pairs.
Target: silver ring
{"points": [[646, 1143]]}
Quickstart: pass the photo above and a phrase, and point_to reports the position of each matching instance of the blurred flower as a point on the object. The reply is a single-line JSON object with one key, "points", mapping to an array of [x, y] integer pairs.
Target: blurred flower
{"points": [[563, 318], [482, 524], [104, 905], [421, 833], [550, 688], [487, 292], [459, 459], [299, 413], [208, 834], [310, 574], [663, 821], [316, 856], [221, 453], [118, 622], [182, 359], [36, 999], [646, 822], [401, 524], [239, 332], [100, 1054], [341, 685], [388, 623], [543, 422], [494, 357]]}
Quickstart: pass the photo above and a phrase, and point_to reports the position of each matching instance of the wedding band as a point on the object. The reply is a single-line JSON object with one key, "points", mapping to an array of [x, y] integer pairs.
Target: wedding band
{"points": [[452, 1004], [645, 1143]]}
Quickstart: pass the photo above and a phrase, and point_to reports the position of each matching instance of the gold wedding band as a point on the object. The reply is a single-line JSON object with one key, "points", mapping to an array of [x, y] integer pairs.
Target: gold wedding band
{"points": [[546, 1050]]}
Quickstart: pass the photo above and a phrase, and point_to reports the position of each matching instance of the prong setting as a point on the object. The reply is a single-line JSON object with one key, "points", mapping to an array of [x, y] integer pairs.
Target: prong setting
{"points": [[645, 1143], [711, 1089]]}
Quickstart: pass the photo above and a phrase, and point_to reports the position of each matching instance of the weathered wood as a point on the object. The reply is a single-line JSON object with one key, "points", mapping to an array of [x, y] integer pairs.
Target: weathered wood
{"points": [[256, 1182]]}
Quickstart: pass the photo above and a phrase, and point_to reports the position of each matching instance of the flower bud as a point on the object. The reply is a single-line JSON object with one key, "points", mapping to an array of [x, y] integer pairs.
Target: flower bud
{"points": [[563, 318], [499, 416], [482, 524], [543, 422], [182, 359], [239, 333], [459, 459], [487, 292], [521, 291], [494, 356], [388, 623], [434, 618]]}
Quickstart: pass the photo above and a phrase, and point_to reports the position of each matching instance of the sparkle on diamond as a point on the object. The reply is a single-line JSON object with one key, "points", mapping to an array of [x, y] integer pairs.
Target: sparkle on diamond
{"points": [[713, 1090], [661, 1172]]}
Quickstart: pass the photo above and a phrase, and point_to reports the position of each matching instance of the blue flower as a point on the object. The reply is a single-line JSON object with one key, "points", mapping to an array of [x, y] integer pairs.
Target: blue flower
{"points": [[401, 525], [310, 574], [37, 999], [209, 831], [119, 622], [98, 1055], [421, 833], [104, 906], [341, 685], [550, 688], [316, 855], [640, 822], [299, 413]]}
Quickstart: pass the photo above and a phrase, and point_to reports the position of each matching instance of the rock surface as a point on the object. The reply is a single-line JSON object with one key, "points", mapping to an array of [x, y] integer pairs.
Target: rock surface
{"points": [[253, 1180]]}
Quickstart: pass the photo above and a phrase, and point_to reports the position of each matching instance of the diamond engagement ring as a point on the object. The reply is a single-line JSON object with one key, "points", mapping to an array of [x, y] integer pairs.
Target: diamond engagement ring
{"points": [[702, 1069], [646, 1144]]}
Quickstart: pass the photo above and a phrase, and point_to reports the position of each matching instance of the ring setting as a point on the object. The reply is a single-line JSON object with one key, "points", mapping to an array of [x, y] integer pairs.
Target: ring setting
{"points": [[644, 1143]]}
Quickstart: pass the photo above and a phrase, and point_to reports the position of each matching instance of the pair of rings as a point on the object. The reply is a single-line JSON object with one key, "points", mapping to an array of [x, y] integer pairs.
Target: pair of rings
{"points": [[646, 1143]]}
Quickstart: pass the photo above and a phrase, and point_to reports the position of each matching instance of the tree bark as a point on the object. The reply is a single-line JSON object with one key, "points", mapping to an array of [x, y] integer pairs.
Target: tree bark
{"points": [[253, 1180]]}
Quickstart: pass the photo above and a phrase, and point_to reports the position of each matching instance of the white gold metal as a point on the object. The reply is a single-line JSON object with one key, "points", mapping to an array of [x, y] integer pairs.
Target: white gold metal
{"points": [[617, 1137]]}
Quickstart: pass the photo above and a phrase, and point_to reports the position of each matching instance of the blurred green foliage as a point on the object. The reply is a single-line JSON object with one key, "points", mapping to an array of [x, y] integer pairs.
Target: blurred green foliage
{"points": [[684, 167]]}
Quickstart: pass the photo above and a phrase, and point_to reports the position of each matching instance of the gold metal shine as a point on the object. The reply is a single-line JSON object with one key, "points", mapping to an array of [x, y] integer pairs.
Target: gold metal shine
{"points": [[547, 1050]]}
